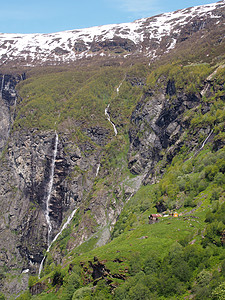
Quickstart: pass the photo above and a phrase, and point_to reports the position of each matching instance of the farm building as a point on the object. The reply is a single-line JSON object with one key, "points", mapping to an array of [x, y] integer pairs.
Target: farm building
{"points": [[154, 218]]}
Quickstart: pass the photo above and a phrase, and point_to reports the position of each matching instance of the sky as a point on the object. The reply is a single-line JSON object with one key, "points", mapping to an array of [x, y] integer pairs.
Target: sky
{"points": [[48, 16]]}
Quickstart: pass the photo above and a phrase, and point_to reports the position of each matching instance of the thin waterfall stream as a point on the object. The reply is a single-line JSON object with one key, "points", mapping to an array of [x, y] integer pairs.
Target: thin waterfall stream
{"points": [[49, 191], [47, 215], [203, 144], [97, 170], [108, 118], [55, 238], [118, 88], [50, 185], [107, 108]]}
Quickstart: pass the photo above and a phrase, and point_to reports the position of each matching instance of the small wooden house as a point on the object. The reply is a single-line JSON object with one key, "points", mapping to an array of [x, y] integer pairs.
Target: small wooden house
{"points": [[154, 218]]}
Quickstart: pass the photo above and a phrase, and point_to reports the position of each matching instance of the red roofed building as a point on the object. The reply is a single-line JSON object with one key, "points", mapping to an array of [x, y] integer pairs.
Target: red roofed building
{"points": [[154, 218]]}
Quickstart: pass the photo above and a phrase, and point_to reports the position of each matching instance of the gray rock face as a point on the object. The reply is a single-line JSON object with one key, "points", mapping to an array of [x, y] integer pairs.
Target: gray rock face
{"points": [[8, 100], [24, 177], [157, 125]]}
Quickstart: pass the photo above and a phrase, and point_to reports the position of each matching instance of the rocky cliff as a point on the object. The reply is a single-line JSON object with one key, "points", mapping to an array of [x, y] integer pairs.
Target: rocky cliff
{"points": [[8, 104], [158, 125], [88, 138]]}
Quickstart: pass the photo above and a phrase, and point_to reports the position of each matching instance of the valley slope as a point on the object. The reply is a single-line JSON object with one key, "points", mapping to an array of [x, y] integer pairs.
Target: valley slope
{"points": [[112, 124]]}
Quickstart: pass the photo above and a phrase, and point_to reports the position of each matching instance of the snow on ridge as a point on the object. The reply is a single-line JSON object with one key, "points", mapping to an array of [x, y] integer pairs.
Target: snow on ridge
{"points": [[38, 46]]}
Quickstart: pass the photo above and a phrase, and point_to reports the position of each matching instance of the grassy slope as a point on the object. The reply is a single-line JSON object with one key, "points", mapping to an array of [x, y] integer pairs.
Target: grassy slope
{"points": [[195, 181], [129, 253]]}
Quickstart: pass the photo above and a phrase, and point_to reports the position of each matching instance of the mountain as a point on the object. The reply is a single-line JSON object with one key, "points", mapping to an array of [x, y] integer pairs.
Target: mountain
{"points": [[148, 37], [102, 128]]}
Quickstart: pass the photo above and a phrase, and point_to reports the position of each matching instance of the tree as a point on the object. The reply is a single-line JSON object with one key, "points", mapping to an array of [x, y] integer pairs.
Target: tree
{"points": [[219, 292]]}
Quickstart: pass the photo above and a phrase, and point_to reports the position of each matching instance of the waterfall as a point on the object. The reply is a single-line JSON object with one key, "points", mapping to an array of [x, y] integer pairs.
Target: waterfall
{"points": [[106, 109], [203, 144], [2, 86], [118, 88], [55, 238], [108, 118], [97, 170], [41, 266], [63, 227], [50, 185]]}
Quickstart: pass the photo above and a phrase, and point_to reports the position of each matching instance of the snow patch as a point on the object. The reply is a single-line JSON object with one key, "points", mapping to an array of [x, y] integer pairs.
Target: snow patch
{"points": [[59, 46]]}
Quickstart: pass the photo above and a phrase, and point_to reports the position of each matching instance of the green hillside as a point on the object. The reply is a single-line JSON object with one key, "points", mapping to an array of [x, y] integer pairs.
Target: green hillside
{"points": [[168, 157], [174, 258]]}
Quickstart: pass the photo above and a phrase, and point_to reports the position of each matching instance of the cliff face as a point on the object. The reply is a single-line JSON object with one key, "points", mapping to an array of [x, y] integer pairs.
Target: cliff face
{"points": [[158, 124], [161, 122], [8, 102], [87, 139], [25, 175]]}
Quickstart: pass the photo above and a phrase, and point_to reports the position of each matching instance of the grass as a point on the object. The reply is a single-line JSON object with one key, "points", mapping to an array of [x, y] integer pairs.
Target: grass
{"points": [[188, 185]]}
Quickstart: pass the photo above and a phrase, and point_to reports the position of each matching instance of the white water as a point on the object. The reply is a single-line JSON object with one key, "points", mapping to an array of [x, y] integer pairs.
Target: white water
{"points": [[132, 194], [203, 144], [3, 79], [118, 89], [108, 118], [50, 190], [47, 216], [97, 170], [55, 238]]}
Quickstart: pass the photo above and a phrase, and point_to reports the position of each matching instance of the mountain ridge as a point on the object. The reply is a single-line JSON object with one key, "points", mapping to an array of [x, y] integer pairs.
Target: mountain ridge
{"points": [[146, 37]]}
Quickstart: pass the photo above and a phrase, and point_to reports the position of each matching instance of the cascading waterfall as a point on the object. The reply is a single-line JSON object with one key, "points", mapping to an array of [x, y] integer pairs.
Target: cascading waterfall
{"points": [[203, 144], [108, 118], [97, 170], [118, 88], [106, 109], [55, 238], [50, 184]]}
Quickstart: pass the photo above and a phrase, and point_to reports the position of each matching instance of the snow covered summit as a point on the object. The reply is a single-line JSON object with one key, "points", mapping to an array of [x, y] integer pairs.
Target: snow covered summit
{"points": [[148, 37]]}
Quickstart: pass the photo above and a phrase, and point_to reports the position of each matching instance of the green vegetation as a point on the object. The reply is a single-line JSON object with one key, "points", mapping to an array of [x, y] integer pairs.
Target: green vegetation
{"points": [[187, 78], [51, 100], [170, 259]]}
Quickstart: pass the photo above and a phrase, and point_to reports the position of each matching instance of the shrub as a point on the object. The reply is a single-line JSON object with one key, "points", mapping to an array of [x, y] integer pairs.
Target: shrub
{"points": [[57, 277], [152, 264], [219, 292], [83, 293], [139, 292], [2, 297]]}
